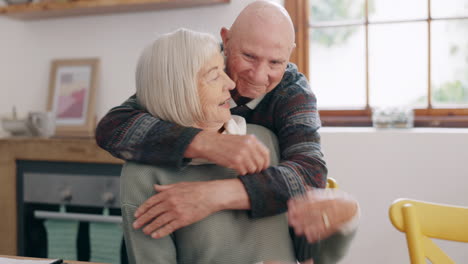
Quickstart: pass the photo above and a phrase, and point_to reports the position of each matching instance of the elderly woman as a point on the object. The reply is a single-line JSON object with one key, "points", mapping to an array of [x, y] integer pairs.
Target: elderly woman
{"points": [[180, 78]]}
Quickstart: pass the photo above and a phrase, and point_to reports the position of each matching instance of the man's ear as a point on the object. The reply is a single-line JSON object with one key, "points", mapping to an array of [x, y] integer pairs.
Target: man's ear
{"points": [[293, 47], [224, 35]]}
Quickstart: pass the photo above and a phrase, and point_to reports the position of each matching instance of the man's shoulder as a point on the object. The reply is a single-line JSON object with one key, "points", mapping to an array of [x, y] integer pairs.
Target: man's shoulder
{"points": [[293, 82]]}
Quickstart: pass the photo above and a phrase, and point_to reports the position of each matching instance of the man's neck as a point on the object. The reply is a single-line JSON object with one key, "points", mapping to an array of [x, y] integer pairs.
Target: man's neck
{"points": [[240, 100]]}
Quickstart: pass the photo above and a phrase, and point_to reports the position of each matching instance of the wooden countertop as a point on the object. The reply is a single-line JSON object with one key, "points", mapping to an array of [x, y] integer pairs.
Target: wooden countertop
{"points": [[66, 261], [84, 150], [55, 149]]}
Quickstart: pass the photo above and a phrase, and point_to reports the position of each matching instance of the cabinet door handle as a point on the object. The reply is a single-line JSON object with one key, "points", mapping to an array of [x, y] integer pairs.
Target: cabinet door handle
{"points": [[78, 216]]}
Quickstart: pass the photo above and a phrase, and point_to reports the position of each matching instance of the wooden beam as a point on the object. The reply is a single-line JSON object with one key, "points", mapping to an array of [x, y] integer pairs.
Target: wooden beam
{"points": [[299, 12], [53, 9]]}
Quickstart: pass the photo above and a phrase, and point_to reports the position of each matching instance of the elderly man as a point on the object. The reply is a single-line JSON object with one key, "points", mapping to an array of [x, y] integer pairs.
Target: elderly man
{"points": [[269, 92]]}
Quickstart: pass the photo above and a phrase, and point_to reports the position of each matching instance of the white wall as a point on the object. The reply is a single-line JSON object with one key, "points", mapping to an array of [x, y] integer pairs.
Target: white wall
{"points": [[27, 48], [376, 167], [379, 166]]}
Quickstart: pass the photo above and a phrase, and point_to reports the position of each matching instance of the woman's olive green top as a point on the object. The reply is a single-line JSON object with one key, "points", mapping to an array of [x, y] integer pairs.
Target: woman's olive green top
{"points": [[229, 236]]}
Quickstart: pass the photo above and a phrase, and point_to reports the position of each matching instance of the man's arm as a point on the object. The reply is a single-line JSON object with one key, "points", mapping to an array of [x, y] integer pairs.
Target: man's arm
{"points": [[295, 122], [129, 132], [293, 109], [181, 204]]}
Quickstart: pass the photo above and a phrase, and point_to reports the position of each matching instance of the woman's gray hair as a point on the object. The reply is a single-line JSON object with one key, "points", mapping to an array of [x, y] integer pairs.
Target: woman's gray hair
{"points": [[166, 75]]}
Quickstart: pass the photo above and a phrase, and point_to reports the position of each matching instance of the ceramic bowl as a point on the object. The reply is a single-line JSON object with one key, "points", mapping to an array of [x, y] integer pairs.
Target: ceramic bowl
{"points": [[16, 127]]}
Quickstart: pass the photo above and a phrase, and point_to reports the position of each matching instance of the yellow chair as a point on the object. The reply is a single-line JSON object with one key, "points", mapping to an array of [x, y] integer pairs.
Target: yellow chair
{"points": [[331, 183], [422, 221]]}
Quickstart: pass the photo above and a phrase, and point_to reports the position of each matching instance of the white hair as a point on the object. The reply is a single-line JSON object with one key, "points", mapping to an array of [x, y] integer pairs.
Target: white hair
{"points": [[166, 75]]}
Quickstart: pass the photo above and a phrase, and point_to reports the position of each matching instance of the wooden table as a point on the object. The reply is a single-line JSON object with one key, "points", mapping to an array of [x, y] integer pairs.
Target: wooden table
{"points": [[83, 150], [66, 261]]}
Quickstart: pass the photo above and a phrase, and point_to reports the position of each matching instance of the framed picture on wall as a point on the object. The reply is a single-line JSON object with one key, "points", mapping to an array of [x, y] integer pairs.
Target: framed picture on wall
{"points": [[72, 94]]}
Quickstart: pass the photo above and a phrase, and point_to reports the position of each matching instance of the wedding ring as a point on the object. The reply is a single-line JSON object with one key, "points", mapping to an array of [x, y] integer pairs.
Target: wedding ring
{"points": [[325, 220]]}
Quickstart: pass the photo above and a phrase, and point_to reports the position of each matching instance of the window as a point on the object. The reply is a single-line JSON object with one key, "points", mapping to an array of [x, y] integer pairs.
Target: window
{"points": [[365, 54]]}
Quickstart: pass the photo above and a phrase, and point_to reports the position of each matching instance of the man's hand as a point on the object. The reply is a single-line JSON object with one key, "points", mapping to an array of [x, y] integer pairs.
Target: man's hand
{"points": [[181, 204], [320, 213], [245, 154], [175, 206]]}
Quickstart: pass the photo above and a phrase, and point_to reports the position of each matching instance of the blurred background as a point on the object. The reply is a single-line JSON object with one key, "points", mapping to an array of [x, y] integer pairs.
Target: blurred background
{"points": [[358, 55]]}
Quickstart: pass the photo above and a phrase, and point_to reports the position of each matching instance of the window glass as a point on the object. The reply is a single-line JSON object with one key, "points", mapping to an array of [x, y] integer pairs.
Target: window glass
{"points": [[449, 8], [398, 64], [337, 66], [336, 10], [450, 63], [385, 10], [398, 60]]}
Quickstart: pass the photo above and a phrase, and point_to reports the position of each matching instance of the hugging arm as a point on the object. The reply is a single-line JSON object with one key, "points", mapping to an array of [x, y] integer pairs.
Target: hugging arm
{"points": [[295, 123], [130, 133]]}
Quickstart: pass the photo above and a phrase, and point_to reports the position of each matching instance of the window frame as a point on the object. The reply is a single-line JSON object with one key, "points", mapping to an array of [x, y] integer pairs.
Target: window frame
{"points": [[424, 117]]}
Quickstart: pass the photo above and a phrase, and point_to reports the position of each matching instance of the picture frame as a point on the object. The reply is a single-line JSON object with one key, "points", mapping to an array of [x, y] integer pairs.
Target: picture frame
{"points": [[72, 96]]}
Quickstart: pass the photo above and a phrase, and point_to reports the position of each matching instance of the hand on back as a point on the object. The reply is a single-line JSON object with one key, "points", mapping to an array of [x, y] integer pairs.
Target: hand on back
{"points": [[175, 206], [181, 204]]}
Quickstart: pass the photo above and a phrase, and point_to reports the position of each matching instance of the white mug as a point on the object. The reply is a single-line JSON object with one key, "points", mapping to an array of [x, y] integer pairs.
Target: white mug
{"points": [[42, 123]]}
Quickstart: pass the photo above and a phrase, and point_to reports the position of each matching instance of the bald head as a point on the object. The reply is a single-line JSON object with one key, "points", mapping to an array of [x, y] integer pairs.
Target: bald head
{"points": [[264, 16], [258, 47]]}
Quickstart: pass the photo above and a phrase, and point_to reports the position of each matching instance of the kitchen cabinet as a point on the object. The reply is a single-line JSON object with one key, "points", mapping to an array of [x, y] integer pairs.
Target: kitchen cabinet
{"points": [[83, 150]]}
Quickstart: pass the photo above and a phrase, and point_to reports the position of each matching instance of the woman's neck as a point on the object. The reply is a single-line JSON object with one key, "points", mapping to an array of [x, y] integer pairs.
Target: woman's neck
{"points": [[211, 127]]}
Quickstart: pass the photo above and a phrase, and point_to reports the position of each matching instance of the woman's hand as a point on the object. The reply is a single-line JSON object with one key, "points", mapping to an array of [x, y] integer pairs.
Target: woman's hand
{"points": [[320, 213]]}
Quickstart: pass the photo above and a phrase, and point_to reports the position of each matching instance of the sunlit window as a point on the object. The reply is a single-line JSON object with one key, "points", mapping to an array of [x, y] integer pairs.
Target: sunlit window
{"points": [[366, 54]]}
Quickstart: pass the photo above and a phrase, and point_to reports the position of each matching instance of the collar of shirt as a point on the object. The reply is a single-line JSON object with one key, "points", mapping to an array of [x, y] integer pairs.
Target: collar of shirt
{"points": [[252, 104]]}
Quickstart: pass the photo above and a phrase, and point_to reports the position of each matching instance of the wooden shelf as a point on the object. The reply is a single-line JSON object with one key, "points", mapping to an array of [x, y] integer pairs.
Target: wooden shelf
{"points": [[42, 10]]}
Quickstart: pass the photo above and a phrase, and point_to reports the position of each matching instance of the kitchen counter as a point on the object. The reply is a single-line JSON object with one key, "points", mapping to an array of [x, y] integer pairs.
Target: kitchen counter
{"points": [[65, 262], [81, 150]]}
